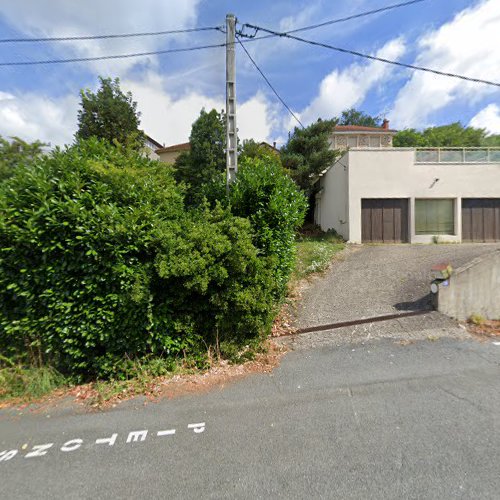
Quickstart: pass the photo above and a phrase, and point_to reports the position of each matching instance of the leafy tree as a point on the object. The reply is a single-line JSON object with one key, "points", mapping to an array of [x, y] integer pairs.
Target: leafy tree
{"points": [[452, 135], [109, 114], [354, 117], [206, 160], [254, 149], [307, 153], [410, 138], [15, 153], [491, 141]]}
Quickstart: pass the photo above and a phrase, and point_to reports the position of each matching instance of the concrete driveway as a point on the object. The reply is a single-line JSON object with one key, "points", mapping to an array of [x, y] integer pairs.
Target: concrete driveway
{"points": [[369, 281]]}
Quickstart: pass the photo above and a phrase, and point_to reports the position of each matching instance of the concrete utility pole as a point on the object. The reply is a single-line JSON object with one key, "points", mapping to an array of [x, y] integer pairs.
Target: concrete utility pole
{"points": [[231, 131]]}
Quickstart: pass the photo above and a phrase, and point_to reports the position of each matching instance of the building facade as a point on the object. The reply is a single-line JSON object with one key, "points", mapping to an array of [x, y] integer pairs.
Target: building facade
{"points": [[387, 194]]}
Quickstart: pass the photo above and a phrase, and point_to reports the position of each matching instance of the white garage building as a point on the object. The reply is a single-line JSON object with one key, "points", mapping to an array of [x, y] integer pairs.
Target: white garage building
{"points": [[379, 193]]}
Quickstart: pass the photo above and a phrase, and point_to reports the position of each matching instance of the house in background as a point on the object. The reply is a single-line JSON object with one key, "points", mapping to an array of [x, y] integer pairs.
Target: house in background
{"points": [[151, 146], [379, 193], [170, 153]]}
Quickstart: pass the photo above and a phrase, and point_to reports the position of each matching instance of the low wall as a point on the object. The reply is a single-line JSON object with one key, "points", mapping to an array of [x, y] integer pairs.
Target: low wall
{"points": [[473, 289]]}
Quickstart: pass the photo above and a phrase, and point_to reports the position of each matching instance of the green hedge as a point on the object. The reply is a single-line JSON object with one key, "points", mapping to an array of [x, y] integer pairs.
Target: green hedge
{"points": [[270, 199], [100, 261]]}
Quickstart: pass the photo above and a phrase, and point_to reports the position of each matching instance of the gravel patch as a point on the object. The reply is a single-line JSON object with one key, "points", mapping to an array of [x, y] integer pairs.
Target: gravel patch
{"points": [[377, 280]]}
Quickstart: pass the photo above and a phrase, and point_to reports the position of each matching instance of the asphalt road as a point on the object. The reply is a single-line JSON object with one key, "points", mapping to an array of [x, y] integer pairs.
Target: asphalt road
{"points": [[380, 421]]}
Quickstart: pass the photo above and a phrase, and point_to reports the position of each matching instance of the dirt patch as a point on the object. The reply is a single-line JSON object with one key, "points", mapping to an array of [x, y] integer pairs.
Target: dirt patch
{"points": [[485, 329], [89, 398]]}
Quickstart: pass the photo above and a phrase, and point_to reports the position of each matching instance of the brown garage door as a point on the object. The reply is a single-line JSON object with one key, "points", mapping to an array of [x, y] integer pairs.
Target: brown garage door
{"points": [[384, 220], [481, 219]]}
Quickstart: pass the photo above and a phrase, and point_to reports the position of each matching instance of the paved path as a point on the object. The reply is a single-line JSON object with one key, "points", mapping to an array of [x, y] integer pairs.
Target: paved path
{"points": [[383, 279], [379, 421]]}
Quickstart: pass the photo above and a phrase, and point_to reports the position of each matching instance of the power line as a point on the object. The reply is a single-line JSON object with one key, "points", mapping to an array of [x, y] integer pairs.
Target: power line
{"points": [[356, 16], [269, 83], [333, 21], [101, 37], [194, 30], [118, 56], [375, 58], [154, 33]]}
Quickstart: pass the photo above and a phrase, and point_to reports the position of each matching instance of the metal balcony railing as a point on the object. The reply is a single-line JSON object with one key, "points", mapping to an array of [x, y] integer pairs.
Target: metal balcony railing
{"points": [[457, 155]]}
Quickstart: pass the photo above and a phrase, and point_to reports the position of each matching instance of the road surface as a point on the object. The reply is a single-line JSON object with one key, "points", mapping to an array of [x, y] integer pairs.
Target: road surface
{"points": [[380, 420]]}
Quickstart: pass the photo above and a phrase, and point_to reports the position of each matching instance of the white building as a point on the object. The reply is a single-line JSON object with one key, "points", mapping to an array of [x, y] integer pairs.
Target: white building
{"points": [[379, 193]]}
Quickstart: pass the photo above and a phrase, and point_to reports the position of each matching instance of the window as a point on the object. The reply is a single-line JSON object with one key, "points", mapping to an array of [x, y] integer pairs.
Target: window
{"points": [[434, 217]]}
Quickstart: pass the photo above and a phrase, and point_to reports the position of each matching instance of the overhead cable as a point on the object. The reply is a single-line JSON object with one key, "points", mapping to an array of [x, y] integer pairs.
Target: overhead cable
{"points": [[103, 37], [269, 83], [118, 56], [374, 58]]}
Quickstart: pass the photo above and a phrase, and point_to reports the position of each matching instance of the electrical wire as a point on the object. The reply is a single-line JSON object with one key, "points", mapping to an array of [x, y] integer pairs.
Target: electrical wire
{"points": [[102, 37], [118, 56], [357, 16], [269, 83], [375, 58]]}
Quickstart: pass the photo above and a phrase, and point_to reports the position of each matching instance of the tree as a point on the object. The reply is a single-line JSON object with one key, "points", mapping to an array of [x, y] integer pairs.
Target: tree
{"points": [[109, 114], [15, 153], [307, 153], [452, 135], [206, 160], [355, 117]]}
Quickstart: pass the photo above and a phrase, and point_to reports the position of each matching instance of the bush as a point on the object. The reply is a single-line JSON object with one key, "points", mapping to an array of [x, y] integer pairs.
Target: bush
{"points": [[100, 262], [276, 208]]}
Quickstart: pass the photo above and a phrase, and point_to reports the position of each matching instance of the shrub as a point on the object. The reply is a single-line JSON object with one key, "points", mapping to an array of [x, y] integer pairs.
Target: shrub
{"points": [[100, 262], [265, 194]]}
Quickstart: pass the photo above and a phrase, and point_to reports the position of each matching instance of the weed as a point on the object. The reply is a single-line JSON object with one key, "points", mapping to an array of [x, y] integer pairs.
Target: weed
{"points": [[315, 252], [477, 319], [19, 382]]}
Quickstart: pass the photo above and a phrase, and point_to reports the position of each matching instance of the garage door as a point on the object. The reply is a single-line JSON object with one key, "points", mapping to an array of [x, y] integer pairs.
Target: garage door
{"points": [[481, 219], [384, 220]]}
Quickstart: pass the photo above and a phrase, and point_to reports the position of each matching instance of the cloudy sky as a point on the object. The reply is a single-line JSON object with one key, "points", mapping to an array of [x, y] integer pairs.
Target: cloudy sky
{"points": [[459, 36]]}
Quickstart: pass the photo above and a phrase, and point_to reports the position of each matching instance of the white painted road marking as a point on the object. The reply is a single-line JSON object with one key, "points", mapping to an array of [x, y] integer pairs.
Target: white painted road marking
{"points": [[197, 427], [110, 441], [7, 455], [170, 432], [135, 436], [72, 445], [40, 450]]}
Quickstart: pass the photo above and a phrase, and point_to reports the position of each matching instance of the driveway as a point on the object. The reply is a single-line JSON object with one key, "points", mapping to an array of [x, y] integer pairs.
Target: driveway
{"points": [[369, 281]]}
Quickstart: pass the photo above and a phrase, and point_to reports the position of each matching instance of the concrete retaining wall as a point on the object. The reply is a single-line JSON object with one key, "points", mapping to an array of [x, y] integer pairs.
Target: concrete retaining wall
{"points": [[473, 289]]}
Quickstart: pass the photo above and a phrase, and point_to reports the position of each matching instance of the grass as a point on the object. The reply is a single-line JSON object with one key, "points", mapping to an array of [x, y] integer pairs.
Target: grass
{"points": [[315, 252], [18, 382]]}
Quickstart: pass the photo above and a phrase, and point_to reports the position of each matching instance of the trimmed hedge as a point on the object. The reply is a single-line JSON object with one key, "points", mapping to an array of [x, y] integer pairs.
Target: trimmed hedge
{"points": [[100, 261]]}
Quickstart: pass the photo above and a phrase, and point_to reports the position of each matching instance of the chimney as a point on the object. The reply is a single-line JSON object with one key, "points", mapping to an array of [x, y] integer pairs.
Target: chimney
{"points": [[385, 124], [274, 144]]}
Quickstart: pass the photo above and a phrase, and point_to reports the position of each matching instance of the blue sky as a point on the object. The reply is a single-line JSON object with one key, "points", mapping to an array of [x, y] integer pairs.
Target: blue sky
{"points": [[41, 102]]}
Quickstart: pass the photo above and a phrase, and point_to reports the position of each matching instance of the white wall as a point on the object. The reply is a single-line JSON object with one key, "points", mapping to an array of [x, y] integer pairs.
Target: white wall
{"points": [[332, 203], [392, 173]]}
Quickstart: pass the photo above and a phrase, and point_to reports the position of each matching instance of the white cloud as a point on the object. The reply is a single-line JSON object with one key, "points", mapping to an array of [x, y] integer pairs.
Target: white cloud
{"points": [[488, 118], [346, 88], [33, 117], [166, 118], [65, 18], [466, 45], [169, 119]]}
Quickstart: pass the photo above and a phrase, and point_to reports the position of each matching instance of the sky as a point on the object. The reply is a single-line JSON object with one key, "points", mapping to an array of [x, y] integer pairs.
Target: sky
{"points": [[458, 36]]}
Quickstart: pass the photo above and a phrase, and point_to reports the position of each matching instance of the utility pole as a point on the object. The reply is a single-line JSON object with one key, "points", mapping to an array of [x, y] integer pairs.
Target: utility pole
{"points": [[231, 131]]}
